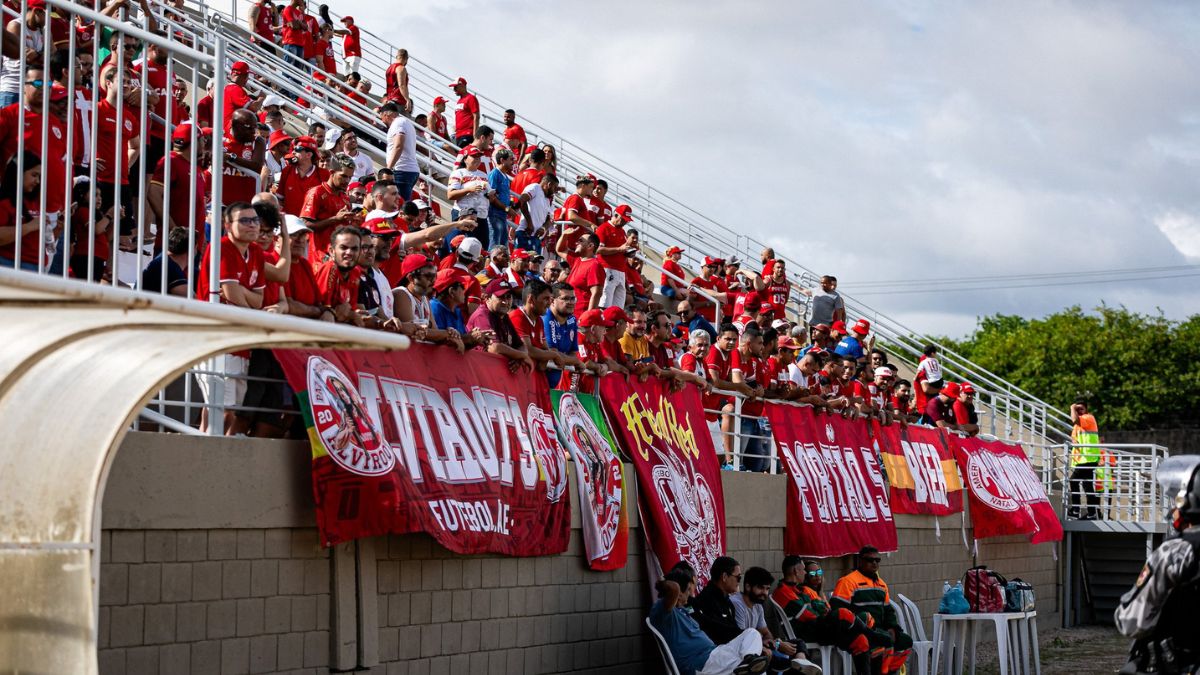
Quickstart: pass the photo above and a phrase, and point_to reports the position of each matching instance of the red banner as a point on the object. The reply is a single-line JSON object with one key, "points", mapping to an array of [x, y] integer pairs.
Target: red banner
{"points": [[679, 479], [837, 499], [1007, 496], [920, 470], [428, 440]]}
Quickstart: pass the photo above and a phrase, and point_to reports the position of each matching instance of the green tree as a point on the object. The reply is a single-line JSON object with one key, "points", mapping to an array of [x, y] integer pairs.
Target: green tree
{"points": [[1137, 371]]}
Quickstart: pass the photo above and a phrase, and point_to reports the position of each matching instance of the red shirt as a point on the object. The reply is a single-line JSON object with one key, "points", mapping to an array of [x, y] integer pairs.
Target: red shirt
{"points": [[106, 142], [32, 250], [611, 349], [333, 289], [778, 293], [204, 111], [312, 30], [524, 179], [439, 124], [350, 44], [719, 361], [600, 210], [473, 290], [704, 307], [321, 203], [674, 268], [464, 115], [235, 98], [291, 36], [515, 133], [236, 185], [243, 269], [577, 204], [293, 188], [612, 236], [324, 50], [181, 186], [301, 283], [54, 162], [392, 87], [265, 22], [776, 372], [585, 274], [754, 373], [156, 83], [527, 327]]}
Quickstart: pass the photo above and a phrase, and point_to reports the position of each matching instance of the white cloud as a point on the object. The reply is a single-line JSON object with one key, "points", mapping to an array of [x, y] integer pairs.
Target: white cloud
{"points": [[1182, 230]]}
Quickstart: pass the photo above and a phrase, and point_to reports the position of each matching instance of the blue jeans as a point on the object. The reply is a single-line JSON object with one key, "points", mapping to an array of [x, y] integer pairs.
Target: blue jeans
{"points": [[497, 227], [405, 180], [528, 242], [667, 292], [8, 263], [754, 450], [9, 98]]}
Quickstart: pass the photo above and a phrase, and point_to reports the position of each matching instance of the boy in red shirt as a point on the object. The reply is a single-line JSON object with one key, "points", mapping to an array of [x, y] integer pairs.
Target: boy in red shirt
{"points": [[674, 280]]}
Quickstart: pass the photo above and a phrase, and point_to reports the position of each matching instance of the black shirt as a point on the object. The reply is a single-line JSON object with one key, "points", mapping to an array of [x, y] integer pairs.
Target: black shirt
{"points": [[714, 613]]}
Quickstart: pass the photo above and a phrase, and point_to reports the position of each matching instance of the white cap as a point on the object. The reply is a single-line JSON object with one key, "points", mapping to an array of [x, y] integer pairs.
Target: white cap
{"points": [[780, 323], [380, 213], [273, 99], [420, 203], [470, 248], [295, 225], [883, 371]]}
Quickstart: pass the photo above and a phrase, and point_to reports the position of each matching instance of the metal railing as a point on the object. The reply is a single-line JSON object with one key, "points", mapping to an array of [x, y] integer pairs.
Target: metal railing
{"points": [[1120, 487], [678, 224]]}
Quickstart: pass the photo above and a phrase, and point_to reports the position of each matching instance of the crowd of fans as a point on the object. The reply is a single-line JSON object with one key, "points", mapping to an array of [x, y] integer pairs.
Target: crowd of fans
{"points": [[551, 277]]}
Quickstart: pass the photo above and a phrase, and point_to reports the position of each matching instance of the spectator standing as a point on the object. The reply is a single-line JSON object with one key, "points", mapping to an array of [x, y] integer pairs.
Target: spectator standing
{"points": [[301, 287], [827, 304], [561, 329], [776, 286], [236, 96], [351, 45], [534, 203], [500, 197], [396, 82], [338, 276], [184, 212], [747, 368], [261, 22], [902, 401], [614, 251], [712, 284], [586, 275], [363, 165], [597, 206], [674, 280], [10, 67], [279, 147], [492, 316], [928, 379], [245, 154], [109, 173], [468, 188], [295, 33], [466, 113], [852, 345], [719, 365], [527, 320], [965, 415], [449, 298], [692, 321], [1085, 459], [175, 258], [514, 134], [401, 148], [939, 409], [437, 120], [327, 208]]}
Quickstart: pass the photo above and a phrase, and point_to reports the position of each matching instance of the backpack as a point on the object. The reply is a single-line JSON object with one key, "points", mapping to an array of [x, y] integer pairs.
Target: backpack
{"points": [[1020, 596], [984, 589]]}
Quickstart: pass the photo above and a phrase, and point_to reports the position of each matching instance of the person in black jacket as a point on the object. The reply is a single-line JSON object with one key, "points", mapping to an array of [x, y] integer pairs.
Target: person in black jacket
{"points": [[712, 608]]}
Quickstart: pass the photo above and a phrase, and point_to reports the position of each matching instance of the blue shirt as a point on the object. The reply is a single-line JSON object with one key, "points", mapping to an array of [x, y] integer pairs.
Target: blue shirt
{"points": [[562, 338], [849, 346], [689, 646], [499, 181], [698, 323], [446, 317]]}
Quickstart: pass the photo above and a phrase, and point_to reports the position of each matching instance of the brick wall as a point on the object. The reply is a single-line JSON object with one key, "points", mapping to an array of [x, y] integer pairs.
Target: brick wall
{"points": [[253, 592]]}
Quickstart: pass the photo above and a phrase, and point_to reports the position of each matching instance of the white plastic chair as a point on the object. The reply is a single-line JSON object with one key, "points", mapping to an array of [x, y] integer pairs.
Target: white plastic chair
{"points": [[910, 622], [663, 649], [828, 652]]}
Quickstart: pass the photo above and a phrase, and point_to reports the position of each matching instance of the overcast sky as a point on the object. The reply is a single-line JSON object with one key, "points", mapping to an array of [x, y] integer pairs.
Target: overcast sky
{"points": [[874, 141]]}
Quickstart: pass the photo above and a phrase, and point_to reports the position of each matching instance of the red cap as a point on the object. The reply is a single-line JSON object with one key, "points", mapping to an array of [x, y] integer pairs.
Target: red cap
{"points": [[498, 288], [445, 278], [58, 92], [472, 151], [967, 388], [278, 136], [461, 80], [458, 239], [752, 304], [710, 261], [821, 326], [673, 250], [614, 314], [786, 342], [353, 186], [36, 4], [625, 210], [382, 226], [412, 263], [951, 389], [862, 327], [839, 327], [183, 132], [766, 306], [438, 100], [520, 254], [593, 317], [305, 142], [239, 67], [347, 19]]}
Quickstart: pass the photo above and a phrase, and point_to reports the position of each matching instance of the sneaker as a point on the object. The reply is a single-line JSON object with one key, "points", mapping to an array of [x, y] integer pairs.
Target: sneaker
{"points": [[805, 666], [754, 663]]}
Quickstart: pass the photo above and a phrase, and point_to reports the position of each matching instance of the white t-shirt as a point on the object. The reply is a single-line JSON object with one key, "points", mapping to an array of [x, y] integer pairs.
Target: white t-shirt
{"points": [[363, 166], [462, 178], [407, 161], [539, 207], [931, 368], [798, 378]]}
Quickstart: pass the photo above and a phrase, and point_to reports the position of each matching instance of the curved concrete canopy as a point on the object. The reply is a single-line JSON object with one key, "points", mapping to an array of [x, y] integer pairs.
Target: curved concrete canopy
{"points": [[78, 363]]}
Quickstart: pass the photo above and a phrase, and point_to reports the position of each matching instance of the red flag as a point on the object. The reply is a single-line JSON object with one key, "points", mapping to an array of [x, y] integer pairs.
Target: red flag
{"points": [[920, 469], [837, 499], [679, 479], [1007, 496], [428, 440]]}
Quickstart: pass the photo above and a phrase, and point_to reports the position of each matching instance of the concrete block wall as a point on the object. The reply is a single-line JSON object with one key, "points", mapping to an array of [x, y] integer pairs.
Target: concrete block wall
{"points": [[237, 583]]}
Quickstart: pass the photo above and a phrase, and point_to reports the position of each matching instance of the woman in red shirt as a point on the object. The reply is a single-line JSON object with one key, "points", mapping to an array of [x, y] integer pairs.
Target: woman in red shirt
{"points": [[25, 219]]}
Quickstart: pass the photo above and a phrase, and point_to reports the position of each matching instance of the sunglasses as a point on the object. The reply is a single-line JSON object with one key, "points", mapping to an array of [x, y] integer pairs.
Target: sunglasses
{"points": [[818, 573], [737, 576], [36, 84]]}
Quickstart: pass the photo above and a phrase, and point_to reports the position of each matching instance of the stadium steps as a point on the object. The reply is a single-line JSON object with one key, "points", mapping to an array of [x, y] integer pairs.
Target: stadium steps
{"points": [[1111, 563]]}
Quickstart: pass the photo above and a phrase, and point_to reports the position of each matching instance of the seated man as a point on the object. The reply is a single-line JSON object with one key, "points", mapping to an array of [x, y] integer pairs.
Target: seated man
{"points": [[799, 594], [866, 594], [693, 651], [748, 612]]}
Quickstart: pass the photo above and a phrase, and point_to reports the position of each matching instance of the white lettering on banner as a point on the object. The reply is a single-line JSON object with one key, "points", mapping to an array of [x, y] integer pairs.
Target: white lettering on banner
{"points": [[925, 465], [832, 483], [1003, 482], [466, 434], [453, 515]]}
